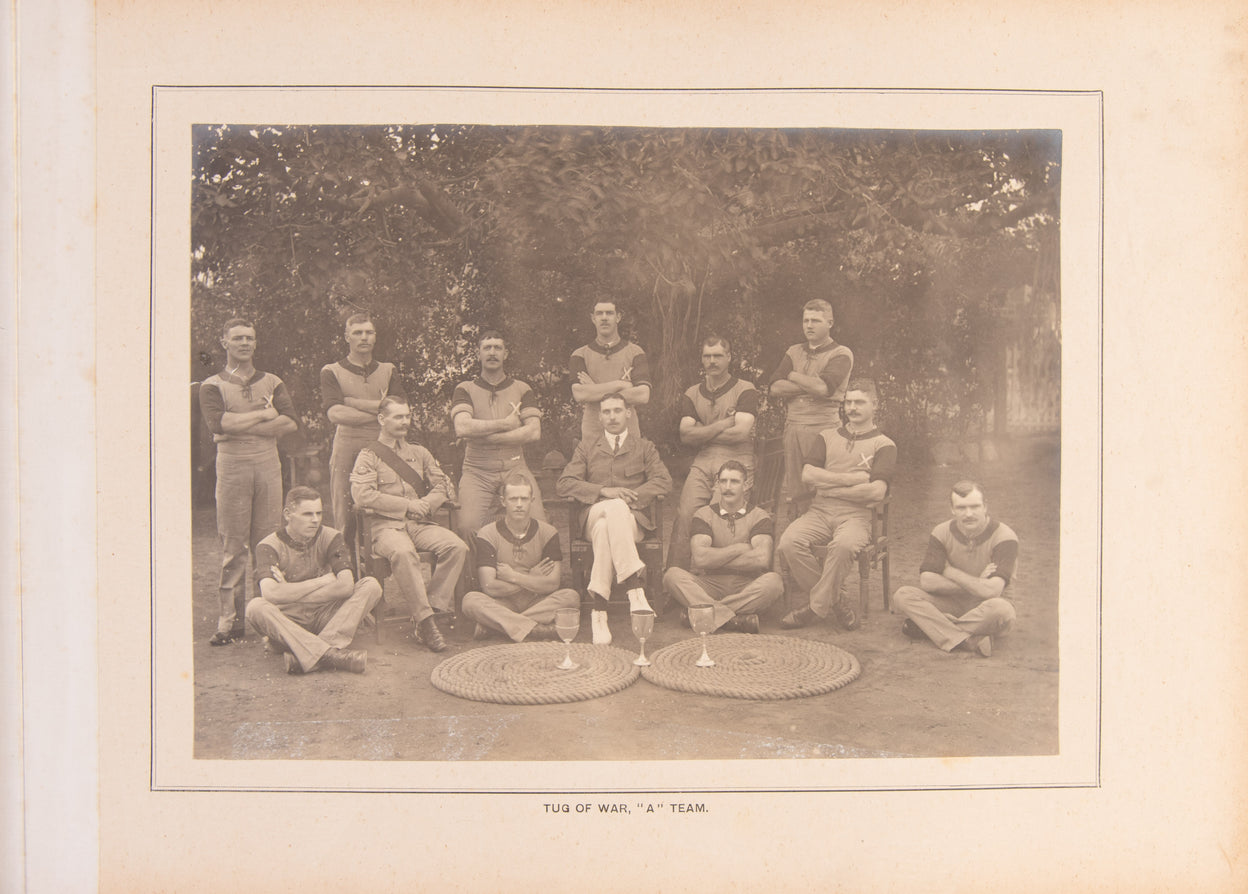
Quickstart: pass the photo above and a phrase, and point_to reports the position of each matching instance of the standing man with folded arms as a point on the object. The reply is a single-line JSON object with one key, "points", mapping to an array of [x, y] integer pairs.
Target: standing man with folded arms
{"points": [[351, 391], [608, 365], [496, 416], [247, 411], [812, 379]]}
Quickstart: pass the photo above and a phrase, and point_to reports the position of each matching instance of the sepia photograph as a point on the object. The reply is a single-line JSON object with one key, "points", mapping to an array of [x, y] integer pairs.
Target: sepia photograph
{"points": [[414, 537]]}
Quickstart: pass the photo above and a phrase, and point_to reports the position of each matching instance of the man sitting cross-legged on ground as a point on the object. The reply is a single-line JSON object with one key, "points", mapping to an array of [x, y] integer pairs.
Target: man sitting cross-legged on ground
{"points": [[518, 566], [616, 475], [963, 599], [309, 603], [849, 469], [731, 547], [404, 486]]}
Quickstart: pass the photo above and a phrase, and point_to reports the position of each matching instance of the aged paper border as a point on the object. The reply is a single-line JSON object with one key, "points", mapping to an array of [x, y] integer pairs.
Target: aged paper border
{"points": [[1164, 812]]}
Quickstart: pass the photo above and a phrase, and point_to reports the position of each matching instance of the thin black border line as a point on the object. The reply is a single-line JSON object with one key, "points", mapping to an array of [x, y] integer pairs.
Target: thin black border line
{"points": [[1100, 307]]}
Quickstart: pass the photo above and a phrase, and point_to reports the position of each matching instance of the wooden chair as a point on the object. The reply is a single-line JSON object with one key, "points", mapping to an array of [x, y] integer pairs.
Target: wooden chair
{"points": [[768, 473], [366, 563], [873, 555], [650, 549]]}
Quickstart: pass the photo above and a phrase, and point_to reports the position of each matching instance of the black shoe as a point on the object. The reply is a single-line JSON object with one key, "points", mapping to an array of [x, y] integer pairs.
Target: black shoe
{"points": [[543, 632], [846, 615], [428, 633], [799, 618], [747, 623], [220, 639], [912, 630], [353, 660]]}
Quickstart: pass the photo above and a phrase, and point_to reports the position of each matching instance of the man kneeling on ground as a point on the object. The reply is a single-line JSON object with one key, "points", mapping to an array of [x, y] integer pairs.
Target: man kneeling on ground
{"points": [[963, 597], [730, 544], [310, 604], [518, 566]]}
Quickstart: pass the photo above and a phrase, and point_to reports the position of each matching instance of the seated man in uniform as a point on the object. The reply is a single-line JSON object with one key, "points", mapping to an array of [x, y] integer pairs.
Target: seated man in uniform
{"points": [[731, 547], [717, 417], [518, 567], [309, 604], [616, 475], [404, 486], [963, 596], [849, 468]]}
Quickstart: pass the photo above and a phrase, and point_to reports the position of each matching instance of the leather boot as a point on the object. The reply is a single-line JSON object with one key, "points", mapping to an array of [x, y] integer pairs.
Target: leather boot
{"points": [[428, 633], [353, 660]]}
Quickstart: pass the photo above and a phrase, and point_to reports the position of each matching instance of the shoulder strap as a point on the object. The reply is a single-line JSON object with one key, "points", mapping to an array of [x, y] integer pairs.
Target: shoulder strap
{"points": [[400, 467]]}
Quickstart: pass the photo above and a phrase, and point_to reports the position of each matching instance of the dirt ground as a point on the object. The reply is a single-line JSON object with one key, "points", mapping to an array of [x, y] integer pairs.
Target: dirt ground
{"points": [[911, 700]]}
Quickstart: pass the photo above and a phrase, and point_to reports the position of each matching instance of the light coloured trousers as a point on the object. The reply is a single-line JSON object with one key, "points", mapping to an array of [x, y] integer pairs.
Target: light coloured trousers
{"points": [[819, 572], [614, 533], [401, 547], [249, 508], [518, 614], [479, 503], [308, 631], [731, 594], [949, 620]]}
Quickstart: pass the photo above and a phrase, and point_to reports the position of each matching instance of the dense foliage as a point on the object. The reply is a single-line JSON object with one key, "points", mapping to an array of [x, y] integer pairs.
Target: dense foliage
{"points": [[918, 239]]}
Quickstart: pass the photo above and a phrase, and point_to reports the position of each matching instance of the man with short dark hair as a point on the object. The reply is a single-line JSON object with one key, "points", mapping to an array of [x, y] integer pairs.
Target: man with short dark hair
{"points": [[519, 564], [496, 416], [608, 365], [849, 467], [811, 377], [963, 596], [717, 417], [731, 551], [403, 485], [351, 391], [616, 476], [247, 411], [310, 605]]}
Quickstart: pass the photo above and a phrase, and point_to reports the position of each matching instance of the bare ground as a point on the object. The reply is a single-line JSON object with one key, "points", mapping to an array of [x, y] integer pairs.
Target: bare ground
{"points": [[911, 699]]}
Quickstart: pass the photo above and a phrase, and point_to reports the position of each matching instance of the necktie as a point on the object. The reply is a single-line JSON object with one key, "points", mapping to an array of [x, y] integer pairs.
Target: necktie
{"points": [[615, 444]]}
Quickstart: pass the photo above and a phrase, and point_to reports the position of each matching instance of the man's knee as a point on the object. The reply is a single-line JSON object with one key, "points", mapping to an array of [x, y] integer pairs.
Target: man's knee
{"points": [[369, 588], [474, 601], [259, 608], [850, 539], [772, 584], [905, 597], [999, 610]]}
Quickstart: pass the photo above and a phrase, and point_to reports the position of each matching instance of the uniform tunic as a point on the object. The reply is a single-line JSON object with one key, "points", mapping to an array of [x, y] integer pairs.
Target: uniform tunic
{"points": [[249, 479], [623, 360], [339, 381]]}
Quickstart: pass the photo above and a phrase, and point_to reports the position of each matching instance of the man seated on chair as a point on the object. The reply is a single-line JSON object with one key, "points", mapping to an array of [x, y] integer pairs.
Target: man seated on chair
{"points": [[310, 604], [616, 475], [963, 596], [518, 567], [730, 542], [403, 485], [717, 417], [848, 468]]}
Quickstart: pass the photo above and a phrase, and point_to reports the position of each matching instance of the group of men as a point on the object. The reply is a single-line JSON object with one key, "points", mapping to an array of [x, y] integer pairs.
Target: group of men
{"points": [[721, 547]]}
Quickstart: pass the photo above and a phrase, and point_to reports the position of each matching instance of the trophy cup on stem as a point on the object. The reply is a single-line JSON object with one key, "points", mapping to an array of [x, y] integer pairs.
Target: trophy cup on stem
{"points": [[702, 620], [567, 624], [643, 626]]}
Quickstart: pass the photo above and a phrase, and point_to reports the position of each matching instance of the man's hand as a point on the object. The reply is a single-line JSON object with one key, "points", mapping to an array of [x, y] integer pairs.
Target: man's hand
{"points": [[627, 494], [417, 510], [584, 378], [512, 419], [989, 570], [543, 568], [277, 574]]}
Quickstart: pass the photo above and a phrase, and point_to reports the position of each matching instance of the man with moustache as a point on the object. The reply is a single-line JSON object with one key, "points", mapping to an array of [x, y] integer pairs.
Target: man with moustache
{"points": [[496, 416], [718, 418], [247, 411], [519, 564], [811, 378], [608, 365], [310, 605], [403, 485], [351, 391], [849, 468], [616, 476], [731, 550], [963, 597]]}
